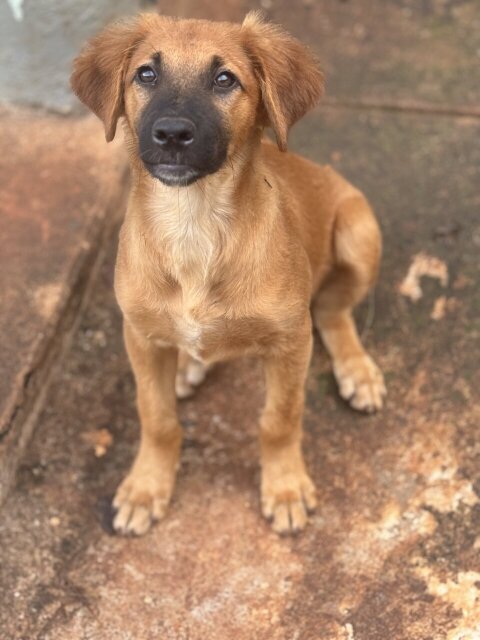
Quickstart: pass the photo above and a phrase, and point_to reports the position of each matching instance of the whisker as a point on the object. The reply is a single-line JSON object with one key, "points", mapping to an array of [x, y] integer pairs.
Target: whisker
{"points": [[144, 153], [157, 53], [204, 193], [233, 173], [188, 200]]}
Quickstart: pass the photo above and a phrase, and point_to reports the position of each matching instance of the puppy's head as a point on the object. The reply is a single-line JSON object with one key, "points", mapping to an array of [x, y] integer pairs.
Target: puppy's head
{"points": [[194, 93]]}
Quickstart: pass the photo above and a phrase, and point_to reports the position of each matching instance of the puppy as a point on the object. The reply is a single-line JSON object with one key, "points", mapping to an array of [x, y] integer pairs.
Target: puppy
{"points": [[230, 243]]}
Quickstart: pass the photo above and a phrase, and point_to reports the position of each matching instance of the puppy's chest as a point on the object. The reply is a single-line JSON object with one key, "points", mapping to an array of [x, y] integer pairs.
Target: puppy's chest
{"points": [[205, 327], [191, 320], [195, 326]]}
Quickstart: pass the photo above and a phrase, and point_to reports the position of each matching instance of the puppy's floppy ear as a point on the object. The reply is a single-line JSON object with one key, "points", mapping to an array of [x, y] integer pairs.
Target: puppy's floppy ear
{"points": [[99, 71], [290, 78]]}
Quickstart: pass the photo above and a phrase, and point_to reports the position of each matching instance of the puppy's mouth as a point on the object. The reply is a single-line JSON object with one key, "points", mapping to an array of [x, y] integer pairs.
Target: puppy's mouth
{"points": [[173, 175]]}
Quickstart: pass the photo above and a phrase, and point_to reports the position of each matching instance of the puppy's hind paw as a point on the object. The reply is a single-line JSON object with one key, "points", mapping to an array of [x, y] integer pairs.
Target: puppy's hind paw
{"points": [[190, 374], [361, 383]]}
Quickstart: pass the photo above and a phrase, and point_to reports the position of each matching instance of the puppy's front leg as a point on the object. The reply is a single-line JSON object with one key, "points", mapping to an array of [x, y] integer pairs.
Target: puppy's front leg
{"points": [[287, 491], [145, 493]]}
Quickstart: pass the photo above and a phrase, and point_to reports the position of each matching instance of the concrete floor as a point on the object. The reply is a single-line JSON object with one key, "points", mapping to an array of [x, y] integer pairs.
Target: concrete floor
{"points": [[62, 189], [393, 551]]}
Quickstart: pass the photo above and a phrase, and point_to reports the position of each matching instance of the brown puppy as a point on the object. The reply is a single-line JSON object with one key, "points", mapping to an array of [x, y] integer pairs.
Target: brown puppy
{"points": [[227, 242]]}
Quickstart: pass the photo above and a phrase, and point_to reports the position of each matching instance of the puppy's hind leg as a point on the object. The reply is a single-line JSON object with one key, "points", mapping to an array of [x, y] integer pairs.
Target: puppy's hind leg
{"points": [[190, 374], [357, 249]]}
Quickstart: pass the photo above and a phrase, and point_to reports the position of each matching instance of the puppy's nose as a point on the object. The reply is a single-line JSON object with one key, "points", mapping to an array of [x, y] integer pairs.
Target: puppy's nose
{"points": [[173, 132]]}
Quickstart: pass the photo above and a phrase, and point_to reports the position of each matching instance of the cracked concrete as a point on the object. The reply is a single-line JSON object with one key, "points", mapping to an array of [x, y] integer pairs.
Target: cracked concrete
{"points": [[63, 186]]}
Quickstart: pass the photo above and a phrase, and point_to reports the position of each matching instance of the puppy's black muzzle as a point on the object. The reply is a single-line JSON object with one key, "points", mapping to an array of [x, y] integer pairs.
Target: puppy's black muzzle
{"points": [[182, 136], [173, 133]]}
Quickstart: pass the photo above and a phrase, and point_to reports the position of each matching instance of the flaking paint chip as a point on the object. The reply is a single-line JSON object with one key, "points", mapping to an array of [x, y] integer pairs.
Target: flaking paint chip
{"points": [[100, 439], [439, 306], [423, 265]]}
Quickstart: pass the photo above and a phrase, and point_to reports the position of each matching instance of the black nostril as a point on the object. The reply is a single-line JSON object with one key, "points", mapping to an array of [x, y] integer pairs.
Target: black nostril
{"points": [[185, 137], [173, 132]]}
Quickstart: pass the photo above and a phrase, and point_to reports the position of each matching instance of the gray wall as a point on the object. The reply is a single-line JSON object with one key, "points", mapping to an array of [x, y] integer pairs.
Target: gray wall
{"points": [[38, 41]]}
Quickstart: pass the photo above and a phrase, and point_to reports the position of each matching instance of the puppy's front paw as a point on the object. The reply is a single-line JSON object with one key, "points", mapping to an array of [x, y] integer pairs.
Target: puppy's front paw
{"points": [[141, 500], [361, 383], [286, 500]]}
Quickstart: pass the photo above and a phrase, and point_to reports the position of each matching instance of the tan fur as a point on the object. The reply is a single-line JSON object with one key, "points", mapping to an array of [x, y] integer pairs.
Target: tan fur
{"points": [[232, 264]]}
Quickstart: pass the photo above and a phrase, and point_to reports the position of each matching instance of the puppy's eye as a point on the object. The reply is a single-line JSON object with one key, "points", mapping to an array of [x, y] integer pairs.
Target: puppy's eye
{"points": [[146, 75], [225, 80]]}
